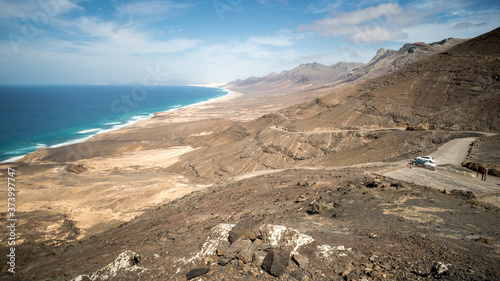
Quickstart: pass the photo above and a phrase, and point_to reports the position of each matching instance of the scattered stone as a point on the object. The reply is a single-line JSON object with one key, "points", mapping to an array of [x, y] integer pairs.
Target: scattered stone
{"points": [[246, 254], [439, 269], [236, 247], [77, 169], [223, 247], [257, 243], [82, 277], [224, 260], [352, 276], [246, 268], [375, 274], [346, 272], [297, 274], [447, 192], [302, 261], [316, 208], [196, 272], [266, 247], [276, 261], [258, 258], [301, 198], [374, 184], [486, 241]]}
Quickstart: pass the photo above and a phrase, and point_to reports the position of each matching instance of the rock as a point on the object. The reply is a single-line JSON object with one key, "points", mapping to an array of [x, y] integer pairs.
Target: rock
{"points": [[316, 208], [224, 260], [246, 268], [297, 274], [375, 184], [244, 230], [352, 276], [439, 269], [375, 274], [276, 261], [81, 278], [236, 247], [302, 261], [266, 247], [486, 241], [258, 258], [77, 169], [223, 247], [257, 243], [301, 198], [125, 262], [246, 253], [196, 272]]}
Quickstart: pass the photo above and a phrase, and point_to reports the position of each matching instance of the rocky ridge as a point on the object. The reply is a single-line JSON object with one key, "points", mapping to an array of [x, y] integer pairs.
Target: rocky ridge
{"points": [[303, 77], [387, 61]]}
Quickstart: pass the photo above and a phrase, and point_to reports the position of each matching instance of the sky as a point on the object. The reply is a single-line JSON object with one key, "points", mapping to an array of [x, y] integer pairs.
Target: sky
{"points": [[214, 41]]}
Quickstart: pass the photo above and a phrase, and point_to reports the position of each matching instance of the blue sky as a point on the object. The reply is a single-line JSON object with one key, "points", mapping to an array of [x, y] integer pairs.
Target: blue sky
{"points": [[123, 42]]}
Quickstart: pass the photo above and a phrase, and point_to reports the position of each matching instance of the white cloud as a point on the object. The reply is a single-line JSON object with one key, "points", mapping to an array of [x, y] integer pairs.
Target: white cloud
{"points": [[322, 7], [30, 9], [282, 38], [151, 10], [468, 24], [369, 25]]}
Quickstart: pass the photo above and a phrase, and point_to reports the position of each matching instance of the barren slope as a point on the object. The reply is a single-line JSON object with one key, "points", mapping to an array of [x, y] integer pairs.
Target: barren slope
{"points": [[458, 89]]}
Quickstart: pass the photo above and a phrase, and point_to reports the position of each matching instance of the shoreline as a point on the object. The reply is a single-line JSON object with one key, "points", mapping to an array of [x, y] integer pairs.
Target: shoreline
{"points": [[135, 120]]}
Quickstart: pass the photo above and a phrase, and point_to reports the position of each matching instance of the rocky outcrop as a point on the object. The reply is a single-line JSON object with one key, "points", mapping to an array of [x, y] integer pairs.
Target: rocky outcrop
{"points": [[387, 61], [127, 261]]}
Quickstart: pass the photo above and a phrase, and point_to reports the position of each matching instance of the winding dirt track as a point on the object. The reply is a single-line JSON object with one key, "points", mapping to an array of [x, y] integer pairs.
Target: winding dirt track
{"points": [[453, 152]]}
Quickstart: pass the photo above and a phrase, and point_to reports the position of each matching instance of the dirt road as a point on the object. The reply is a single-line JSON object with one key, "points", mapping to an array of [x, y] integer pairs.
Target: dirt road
{"points": [[453, 152]]}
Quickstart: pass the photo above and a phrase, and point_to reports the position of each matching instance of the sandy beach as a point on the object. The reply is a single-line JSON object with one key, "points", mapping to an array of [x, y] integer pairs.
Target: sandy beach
{"points": [[124, 171]]}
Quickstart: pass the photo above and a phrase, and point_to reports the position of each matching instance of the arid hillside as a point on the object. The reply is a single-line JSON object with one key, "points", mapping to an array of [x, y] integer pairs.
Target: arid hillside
{"points": [[320, 190], [387, 61], [458, 89], [441, 97]]}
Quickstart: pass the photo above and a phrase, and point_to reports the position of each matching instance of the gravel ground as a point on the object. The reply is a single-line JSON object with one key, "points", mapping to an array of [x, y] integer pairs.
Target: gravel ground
{"points": [[440, 180]]}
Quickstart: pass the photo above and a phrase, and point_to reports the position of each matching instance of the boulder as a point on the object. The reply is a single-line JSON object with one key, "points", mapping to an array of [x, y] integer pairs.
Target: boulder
{"points": [[244, 230], [258, 258], [246, 253], [196, 272], [276, 261], [223, 247], [224, 260], [301, 260]]}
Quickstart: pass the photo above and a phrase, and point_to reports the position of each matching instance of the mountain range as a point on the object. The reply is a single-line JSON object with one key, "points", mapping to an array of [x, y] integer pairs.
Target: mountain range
{"points": [[311, 76], [455, 90], [303, 77]]}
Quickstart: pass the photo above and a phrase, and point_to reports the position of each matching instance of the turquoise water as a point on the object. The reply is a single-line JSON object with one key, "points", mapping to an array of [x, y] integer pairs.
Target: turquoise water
{"points": [[36, 116]]}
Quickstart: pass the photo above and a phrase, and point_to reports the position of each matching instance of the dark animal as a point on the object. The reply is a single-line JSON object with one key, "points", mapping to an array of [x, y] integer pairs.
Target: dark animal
{"points": [[483, 171]]}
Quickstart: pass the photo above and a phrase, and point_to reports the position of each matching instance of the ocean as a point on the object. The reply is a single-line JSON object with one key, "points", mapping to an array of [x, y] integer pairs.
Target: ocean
{"points": [[37, 116]]}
